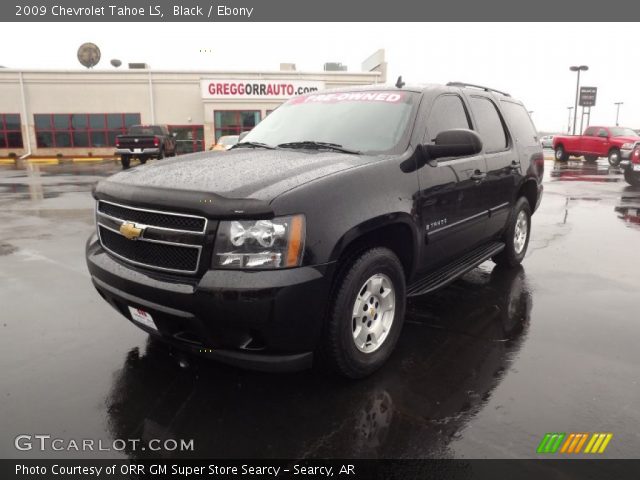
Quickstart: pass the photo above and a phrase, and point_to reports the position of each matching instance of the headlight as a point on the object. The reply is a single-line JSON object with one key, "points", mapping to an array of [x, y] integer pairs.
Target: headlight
{"points": [[276, 243], [627, 146]]}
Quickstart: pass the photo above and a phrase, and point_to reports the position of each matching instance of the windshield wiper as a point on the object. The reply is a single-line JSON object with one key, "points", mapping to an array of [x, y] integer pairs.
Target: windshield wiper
{"points": [[252, 145], [318, 145]]}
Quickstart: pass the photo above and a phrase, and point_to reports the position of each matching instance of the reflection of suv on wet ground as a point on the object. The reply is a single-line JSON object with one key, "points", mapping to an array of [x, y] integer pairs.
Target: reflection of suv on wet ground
{"points": [[304, 240]]}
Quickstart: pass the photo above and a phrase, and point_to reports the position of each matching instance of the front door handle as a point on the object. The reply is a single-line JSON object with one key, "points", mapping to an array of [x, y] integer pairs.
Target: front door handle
{"points": [[478, 176]]}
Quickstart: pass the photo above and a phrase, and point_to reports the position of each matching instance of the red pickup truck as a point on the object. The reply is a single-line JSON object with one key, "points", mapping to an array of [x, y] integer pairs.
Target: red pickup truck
{"points": [[614, 143]]}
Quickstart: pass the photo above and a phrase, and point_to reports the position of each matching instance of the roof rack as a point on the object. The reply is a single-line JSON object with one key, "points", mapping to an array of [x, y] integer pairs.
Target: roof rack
{"points": [[486, 89]]}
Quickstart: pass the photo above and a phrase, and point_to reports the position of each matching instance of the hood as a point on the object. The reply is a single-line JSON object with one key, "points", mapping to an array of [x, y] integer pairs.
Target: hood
{"points": [[256, 174], [626, 139]]}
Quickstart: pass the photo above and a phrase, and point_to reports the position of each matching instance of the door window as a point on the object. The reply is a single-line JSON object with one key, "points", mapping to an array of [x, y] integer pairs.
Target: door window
{"points": [[489, 125]]}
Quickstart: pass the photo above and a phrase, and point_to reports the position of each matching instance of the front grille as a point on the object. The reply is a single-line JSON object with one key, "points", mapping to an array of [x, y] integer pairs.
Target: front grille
{"points": [[151, 254], [154, 218], [164, 241]]}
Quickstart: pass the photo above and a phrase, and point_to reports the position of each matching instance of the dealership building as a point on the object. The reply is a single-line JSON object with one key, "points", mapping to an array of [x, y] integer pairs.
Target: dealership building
{"points": [[46, 113]]}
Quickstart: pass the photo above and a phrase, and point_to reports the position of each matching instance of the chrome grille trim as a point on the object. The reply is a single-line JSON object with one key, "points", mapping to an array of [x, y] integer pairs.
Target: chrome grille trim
{"points": [[108, 222], [161, 212]]}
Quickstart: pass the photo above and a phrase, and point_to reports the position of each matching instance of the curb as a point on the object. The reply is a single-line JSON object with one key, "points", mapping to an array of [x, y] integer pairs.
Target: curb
{"points": [[57, 161]]}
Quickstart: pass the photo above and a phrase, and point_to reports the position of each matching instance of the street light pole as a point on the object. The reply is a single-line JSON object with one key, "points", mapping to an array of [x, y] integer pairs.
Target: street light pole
{"points": [[578, 69], [617, 104], [569, 120]]}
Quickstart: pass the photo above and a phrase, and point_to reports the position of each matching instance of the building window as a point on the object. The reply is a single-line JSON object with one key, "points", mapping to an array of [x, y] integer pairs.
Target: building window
{"points": [[189, 138], [81, 130], [10, 130], [234, 122]]}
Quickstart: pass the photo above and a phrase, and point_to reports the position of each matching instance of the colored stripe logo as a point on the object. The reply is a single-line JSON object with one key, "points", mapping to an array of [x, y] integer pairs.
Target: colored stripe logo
{"points": [[569, 443]]}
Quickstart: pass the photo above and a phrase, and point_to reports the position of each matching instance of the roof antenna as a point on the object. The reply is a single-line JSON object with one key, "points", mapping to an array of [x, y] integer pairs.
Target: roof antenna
{"points": [[399, 82]]}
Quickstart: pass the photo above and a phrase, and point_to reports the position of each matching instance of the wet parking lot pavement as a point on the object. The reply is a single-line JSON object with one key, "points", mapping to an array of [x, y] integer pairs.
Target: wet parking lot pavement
{"points": [[484, 368]]}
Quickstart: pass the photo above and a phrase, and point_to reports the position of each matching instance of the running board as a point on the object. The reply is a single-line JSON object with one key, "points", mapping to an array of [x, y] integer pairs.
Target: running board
{"points": [[447, 274]]}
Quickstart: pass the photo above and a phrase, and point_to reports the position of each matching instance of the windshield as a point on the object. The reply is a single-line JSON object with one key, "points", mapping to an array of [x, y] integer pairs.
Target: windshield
{"points": [[368, 122], [142, 130], [622, 132]]}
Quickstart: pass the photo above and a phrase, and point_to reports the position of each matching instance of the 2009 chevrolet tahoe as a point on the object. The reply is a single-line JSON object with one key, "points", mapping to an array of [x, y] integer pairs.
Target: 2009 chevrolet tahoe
{"points": [[303, 241]]}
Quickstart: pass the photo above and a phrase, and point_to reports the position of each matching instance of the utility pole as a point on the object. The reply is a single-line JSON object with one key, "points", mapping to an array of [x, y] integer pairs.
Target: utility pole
{"points": [[569, 120], [617, 104], [576, 68]]}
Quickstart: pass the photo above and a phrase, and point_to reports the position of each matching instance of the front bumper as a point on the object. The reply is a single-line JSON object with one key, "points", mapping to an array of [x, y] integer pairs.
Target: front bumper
{"points": [[265, 320], [137, 151]]}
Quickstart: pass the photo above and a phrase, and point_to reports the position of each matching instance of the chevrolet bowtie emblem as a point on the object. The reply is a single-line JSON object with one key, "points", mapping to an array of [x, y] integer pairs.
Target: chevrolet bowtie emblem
{"points": [[130, 231]]}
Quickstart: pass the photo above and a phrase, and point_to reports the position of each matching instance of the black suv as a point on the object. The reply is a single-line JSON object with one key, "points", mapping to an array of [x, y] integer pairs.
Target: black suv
{"points": [[304, 240]]}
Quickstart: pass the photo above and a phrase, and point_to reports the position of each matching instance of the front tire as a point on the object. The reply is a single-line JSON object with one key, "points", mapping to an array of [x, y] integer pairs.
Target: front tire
{"points": [[631, 177], [560, 154], [366, 314], [516, 236], [614, 157]]}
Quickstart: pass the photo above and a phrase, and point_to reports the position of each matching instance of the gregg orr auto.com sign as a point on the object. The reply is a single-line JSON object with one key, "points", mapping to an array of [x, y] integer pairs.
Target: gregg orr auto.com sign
{"points": [[257, 89]]}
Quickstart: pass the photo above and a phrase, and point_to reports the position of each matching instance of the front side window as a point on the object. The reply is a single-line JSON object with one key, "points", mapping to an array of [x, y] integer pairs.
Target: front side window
{"points": [[489, 124], [448, 112], [364, 121]]}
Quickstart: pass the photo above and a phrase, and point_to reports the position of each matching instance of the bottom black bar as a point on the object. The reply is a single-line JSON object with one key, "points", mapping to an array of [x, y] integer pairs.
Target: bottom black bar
{"points": [[544, 469]]}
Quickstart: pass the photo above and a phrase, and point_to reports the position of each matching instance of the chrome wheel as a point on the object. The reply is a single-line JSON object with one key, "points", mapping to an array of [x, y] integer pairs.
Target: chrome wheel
{"points": [[521, 232], [559, 153], [373, 313]]}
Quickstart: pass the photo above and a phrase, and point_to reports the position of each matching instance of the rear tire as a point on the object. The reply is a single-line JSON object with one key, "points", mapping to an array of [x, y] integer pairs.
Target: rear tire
{"points": [[614, 157], [516, 236], [125, 160], [373, 288], [143, 160], [632, 177], [591, 158], [161, 154], [560, 154]]}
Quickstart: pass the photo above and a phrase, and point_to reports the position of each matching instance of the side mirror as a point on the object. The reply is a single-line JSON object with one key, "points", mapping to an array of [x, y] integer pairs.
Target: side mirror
{"points": [[242, 135], [458, 142]]}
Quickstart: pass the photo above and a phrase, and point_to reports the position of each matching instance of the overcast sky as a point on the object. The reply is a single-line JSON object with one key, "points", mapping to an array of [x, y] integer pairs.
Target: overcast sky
{"points": [[531, 61]]}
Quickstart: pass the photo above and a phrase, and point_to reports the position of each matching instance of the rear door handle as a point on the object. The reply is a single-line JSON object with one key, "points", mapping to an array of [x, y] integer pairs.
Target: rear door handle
{"points": [[514, 166], [478, 176]]}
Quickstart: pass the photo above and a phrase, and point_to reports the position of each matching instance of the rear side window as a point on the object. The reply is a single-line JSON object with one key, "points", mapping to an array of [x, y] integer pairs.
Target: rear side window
{"points": [[448, 112], [520, 123], [489, 124], [591, 131]]}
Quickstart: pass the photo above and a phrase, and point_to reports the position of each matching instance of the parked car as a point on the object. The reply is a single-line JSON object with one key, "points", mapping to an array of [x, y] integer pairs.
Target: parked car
{"points": [[631, 167], [546, 141], [304, 242], [145, 142], [596, 142], [225, 142]]}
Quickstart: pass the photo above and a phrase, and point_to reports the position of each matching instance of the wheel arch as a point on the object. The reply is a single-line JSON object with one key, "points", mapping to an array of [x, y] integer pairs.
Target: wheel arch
{"points": [[529, 190], [396, 231]]}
